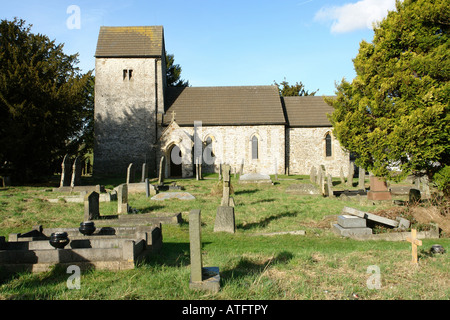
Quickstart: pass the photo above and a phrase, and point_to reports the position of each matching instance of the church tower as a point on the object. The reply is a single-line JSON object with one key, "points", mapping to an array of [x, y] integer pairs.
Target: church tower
{"points": [[130, 80]]}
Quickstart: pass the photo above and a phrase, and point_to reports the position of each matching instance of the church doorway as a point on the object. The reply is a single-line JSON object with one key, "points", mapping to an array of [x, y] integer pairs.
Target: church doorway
{"points": [[175, 162]]}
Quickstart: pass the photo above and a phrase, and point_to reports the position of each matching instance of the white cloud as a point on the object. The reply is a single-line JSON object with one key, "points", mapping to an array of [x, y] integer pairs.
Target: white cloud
{"points": [[354, 16]]}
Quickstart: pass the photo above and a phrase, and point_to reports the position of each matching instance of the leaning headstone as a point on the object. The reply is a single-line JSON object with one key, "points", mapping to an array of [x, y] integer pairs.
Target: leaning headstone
{"points": [[162, 166], [425, 186], [76, 172], [201, 278], [66, 172], [130, 173], [91, 206], [122, 198]]}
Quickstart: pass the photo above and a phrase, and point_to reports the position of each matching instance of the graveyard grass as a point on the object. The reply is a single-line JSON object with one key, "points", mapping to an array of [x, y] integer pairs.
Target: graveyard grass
{"points": [[318, 265]]}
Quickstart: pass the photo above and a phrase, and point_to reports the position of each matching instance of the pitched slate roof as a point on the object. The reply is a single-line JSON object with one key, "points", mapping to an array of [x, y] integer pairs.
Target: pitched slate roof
{"points": [[309, 111], [244, 105], [130, 42]]}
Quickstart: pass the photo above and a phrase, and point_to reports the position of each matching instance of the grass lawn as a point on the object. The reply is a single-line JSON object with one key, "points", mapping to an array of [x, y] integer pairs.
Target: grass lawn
{"points": [[318, 265]]}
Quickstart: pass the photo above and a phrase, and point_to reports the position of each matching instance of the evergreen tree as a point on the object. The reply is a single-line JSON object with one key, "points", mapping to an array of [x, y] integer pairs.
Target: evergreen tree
{"points": [[298, 89], [395, 113], [43, 102], [173, 73]]}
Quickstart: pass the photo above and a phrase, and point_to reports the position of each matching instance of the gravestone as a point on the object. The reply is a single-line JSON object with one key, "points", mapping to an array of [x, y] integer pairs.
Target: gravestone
{"points": [[144, 172], [329, 190], [350, 174], [91, 206], [66, 172], [122, 198], [201, 278], [312, 174], [130, 173], [220, 171], [341, 174], [241, 171], [361, 177], [162, 166], [378, 189], [226, 174], [76, 172], [225, 220]]}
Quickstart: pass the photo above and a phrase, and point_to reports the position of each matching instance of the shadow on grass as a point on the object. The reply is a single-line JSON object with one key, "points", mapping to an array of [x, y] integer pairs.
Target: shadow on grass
{"points": [[246, 267], [264, 222], [249, 191], [172, 255]]}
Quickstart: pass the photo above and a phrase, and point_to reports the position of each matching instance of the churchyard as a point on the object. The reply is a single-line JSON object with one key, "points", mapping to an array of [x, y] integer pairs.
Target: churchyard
{"points": [[283, 245]]}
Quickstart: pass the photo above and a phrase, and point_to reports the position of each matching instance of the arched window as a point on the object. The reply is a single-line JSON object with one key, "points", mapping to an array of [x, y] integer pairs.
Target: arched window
{"points": [[328, 149], [254, 148]]}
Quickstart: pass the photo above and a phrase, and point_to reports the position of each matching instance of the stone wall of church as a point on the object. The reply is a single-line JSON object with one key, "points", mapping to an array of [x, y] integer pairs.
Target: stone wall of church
{"points": [[126, 100], [307, 149], [231, 145]]}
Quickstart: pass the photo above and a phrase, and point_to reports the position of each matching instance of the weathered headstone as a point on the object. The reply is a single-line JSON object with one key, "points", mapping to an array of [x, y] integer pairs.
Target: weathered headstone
{"points": [[130, 173], [329, 190], [66, 172], [220, 171], [226, 172], [162, 167], [350, 174], [361, 177], [312, 174], [276, 169], [91, 206], [225, 220], [414, 243], [201, 278], [342, 176], [76, 172], [122, 198], [378, 189], [241, 171], [144, 172]]}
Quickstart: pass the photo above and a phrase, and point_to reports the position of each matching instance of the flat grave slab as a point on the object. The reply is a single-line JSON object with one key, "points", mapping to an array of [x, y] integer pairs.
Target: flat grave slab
{"points": [[303, 189], [173, 195], [255, 178]]}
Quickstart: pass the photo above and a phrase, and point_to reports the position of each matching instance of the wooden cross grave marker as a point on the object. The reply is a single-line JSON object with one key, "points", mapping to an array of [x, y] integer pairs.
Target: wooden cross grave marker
{"points": [[414, 243]]}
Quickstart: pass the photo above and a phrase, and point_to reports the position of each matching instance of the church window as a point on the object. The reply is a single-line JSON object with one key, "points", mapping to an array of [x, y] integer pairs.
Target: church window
{"points": [[254, 148], [328, 151], [127, 74]]}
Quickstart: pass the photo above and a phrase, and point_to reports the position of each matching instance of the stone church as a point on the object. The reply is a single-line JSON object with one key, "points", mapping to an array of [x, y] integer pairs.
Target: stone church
{"points": [[139, 119]]}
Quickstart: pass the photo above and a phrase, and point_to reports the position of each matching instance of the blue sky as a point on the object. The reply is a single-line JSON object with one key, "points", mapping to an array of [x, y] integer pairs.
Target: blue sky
{"points": [[224, 43]]}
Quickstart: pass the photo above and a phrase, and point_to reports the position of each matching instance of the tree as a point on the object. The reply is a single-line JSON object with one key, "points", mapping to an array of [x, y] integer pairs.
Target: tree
{"points": [[43, 102], [173, 73], [287, 90], [395, 112]]}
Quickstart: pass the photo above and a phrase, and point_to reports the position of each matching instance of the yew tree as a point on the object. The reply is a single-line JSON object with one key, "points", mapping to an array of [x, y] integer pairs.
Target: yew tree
{"points": [[45, 103], [394, 115]]}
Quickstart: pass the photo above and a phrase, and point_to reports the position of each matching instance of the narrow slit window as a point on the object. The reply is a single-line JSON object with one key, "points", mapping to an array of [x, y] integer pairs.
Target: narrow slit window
{"points": [[328, 151], [130, 74], [125, 74], [254, 148]]}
